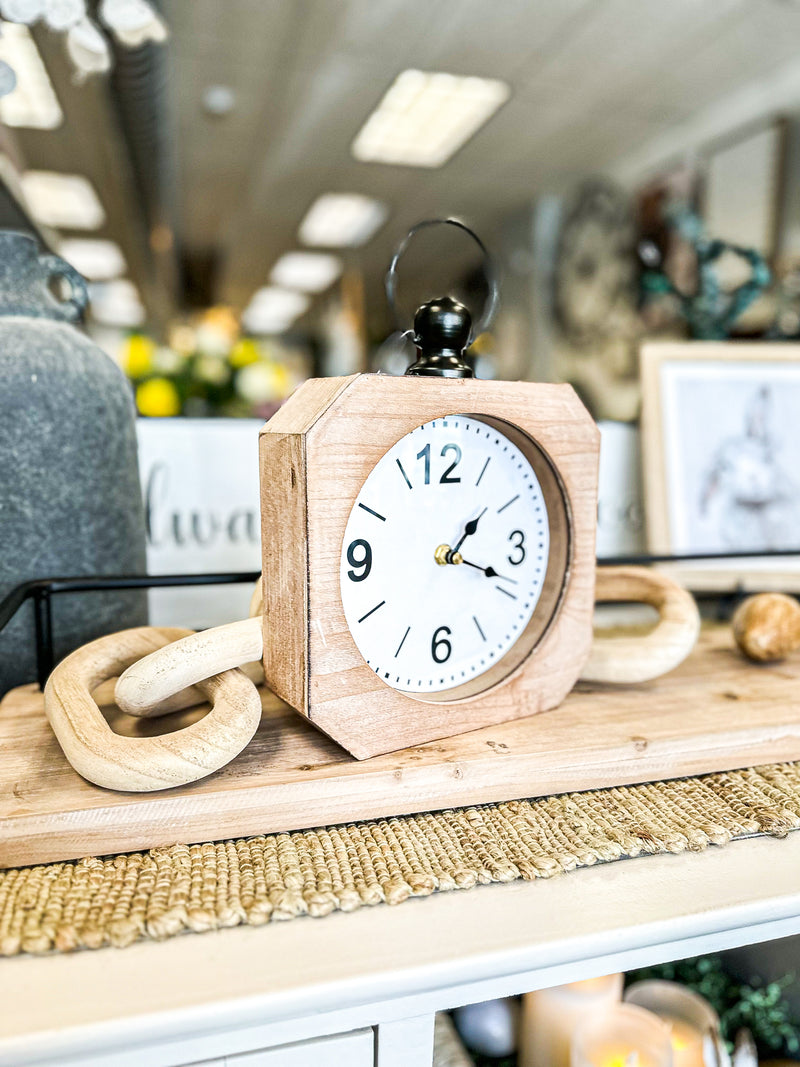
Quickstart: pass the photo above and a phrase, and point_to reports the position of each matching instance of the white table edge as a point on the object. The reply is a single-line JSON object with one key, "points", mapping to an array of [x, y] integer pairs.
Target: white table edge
{"points": [[647, 911]]}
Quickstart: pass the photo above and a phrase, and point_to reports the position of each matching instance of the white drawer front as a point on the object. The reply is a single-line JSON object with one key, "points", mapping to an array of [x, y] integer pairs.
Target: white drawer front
{"points": [[356, 1049]]}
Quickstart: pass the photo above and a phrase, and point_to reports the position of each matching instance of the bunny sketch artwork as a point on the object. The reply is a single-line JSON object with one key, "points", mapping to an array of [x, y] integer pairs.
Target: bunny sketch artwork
{"points": [[747, 492]]}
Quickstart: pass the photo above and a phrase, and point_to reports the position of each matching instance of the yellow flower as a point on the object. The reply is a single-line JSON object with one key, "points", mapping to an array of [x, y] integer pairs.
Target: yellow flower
{"points": [[158, 397], [244, 352], [137, 356]]}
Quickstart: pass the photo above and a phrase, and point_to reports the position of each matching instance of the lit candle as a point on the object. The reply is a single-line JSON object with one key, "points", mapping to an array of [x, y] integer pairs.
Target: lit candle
{"points": [[689, 1016], [624, 1036], [551, 1016]]}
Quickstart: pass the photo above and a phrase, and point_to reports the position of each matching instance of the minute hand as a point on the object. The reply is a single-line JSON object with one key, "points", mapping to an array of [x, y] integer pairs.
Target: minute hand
{"points": [[469, 530], [490, 572]]}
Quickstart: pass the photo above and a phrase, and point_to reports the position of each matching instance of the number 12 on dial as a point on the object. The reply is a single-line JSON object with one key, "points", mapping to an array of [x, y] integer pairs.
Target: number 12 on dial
{"points": [[445, 557]]}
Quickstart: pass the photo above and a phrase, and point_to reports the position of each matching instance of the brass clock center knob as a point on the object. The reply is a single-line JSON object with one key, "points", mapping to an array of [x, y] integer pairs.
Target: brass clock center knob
{"points": [[444, 555]]}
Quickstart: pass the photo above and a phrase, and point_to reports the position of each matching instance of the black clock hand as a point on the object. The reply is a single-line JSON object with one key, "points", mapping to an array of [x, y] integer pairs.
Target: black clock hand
{"points": [[469, 530], [490, 572]]}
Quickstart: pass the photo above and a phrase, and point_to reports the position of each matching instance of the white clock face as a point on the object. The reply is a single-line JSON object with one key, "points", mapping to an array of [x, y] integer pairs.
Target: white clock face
{"points": [[444, 556]]}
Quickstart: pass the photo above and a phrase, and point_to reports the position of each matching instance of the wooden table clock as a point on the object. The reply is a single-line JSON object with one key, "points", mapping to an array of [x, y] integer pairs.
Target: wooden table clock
{"points": [[446, 579], [428, 553]]}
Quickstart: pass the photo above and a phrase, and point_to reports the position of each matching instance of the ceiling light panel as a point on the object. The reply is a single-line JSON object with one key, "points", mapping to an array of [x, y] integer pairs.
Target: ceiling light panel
{"points": [[116, 303], [33, 103], [65, 200], [342, 220], [310, 272], [96, 260], [273, 310], [424, 118]]}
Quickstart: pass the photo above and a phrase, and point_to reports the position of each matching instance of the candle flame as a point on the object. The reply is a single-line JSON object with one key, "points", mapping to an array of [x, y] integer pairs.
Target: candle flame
{"points": [[630, 1059]]}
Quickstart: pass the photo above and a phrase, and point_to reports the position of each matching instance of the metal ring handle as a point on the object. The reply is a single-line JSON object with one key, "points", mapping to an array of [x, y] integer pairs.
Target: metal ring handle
{"points": [[490, 272]]}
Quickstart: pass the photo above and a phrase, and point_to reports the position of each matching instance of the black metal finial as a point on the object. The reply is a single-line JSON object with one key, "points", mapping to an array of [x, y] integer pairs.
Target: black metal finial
{"points": [[442, 331], [443, 327]]}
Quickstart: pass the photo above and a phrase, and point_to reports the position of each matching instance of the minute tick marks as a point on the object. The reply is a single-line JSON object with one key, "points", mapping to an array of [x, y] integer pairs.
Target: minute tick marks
{"points": [[500, 589], [506, 505], [483, 471], [405, 635], [375, 513], [408, 483], [371, 610]]}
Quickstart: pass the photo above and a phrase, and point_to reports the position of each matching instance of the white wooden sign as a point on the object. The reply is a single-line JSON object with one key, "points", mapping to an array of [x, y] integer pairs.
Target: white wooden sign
{"points": [[620, 511], [200, 486]]}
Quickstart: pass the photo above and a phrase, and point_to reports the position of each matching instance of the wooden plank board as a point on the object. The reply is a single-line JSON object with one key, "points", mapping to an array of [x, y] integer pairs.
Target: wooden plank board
{"points": [[716, 712]]}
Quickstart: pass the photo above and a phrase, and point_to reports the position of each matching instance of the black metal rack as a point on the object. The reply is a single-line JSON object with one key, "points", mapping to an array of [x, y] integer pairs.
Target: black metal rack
{"points": [[41, 591]]}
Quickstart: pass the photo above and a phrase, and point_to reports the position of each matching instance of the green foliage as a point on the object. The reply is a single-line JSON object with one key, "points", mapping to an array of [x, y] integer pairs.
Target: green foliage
{"points": [[761, 1007]]}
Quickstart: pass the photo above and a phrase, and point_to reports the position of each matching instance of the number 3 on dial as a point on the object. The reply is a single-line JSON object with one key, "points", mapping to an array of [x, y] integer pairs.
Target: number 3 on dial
{"points": [[517, 538]]}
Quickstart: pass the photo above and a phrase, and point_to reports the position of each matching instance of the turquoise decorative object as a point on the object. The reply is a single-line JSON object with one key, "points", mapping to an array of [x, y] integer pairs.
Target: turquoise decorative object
{"points": [[710, 311]]}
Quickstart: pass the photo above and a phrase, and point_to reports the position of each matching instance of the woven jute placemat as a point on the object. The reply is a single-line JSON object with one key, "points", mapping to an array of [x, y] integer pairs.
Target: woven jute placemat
{"points": [[167, 891]]}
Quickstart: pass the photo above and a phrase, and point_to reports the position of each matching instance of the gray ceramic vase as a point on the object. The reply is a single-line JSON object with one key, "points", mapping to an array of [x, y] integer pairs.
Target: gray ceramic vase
{"points": [[70, 502]]}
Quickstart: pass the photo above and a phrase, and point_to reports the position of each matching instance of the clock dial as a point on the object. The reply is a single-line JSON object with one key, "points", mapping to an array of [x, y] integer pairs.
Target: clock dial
{"points": [[446, 556]]}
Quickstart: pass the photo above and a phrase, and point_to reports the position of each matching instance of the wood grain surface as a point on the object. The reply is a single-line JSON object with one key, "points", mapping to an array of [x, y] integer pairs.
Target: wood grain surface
{"points": [[715, 712]]}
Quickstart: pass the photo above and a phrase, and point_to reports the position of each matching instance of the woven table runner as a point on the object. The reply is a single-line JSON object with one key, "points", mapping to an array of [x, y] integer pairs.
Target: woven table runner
{"points": [[167, 891]]}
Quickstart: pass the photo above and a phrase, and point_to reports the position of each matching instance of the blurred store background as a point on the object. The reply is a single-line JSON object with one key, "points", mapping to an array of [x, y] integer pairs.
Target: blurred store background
{"points": [[232, 178], [234, 188]]}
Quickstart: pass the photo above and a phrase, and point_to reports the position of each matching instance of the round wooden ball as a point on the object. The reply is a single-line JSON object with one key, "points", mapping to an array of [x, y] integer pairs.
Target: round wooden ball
{"points": [[767, 627]]}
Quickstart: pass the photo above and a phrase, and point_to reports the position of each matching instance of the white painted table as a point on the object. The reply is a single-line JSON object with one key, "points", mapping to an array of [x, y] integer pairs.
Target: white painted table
{"points": [[367, 984]]}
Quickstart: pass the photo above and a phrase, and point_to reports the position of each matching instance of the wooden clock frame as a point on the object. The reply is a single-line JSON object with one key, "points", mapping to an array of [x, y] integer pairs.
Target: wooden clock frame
{"points": [[315, 454]]}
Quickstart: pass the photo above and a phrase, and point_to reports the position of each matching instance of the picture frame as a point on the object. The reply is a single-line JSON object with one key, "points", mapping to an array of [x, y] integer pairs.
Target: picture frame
{"points": [[720, 433]]}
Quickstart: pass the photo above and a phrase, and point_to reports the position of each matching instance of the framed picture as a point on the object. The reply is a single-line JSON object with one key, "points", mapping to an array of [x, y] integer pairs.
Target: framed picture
{"points": [[721, 455]]}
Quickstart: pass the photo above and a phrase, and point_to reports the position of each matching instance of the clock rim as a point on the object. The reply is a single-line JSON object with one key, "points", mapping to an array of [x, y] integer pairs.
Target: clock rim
{"points": [[554, 586]]}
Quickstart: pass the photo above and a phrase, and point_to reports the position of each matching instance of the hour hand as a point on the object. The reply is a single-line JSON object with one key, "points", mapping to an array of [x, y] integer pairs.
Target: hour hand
{"points": [[490, 572], [469, 530]]}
